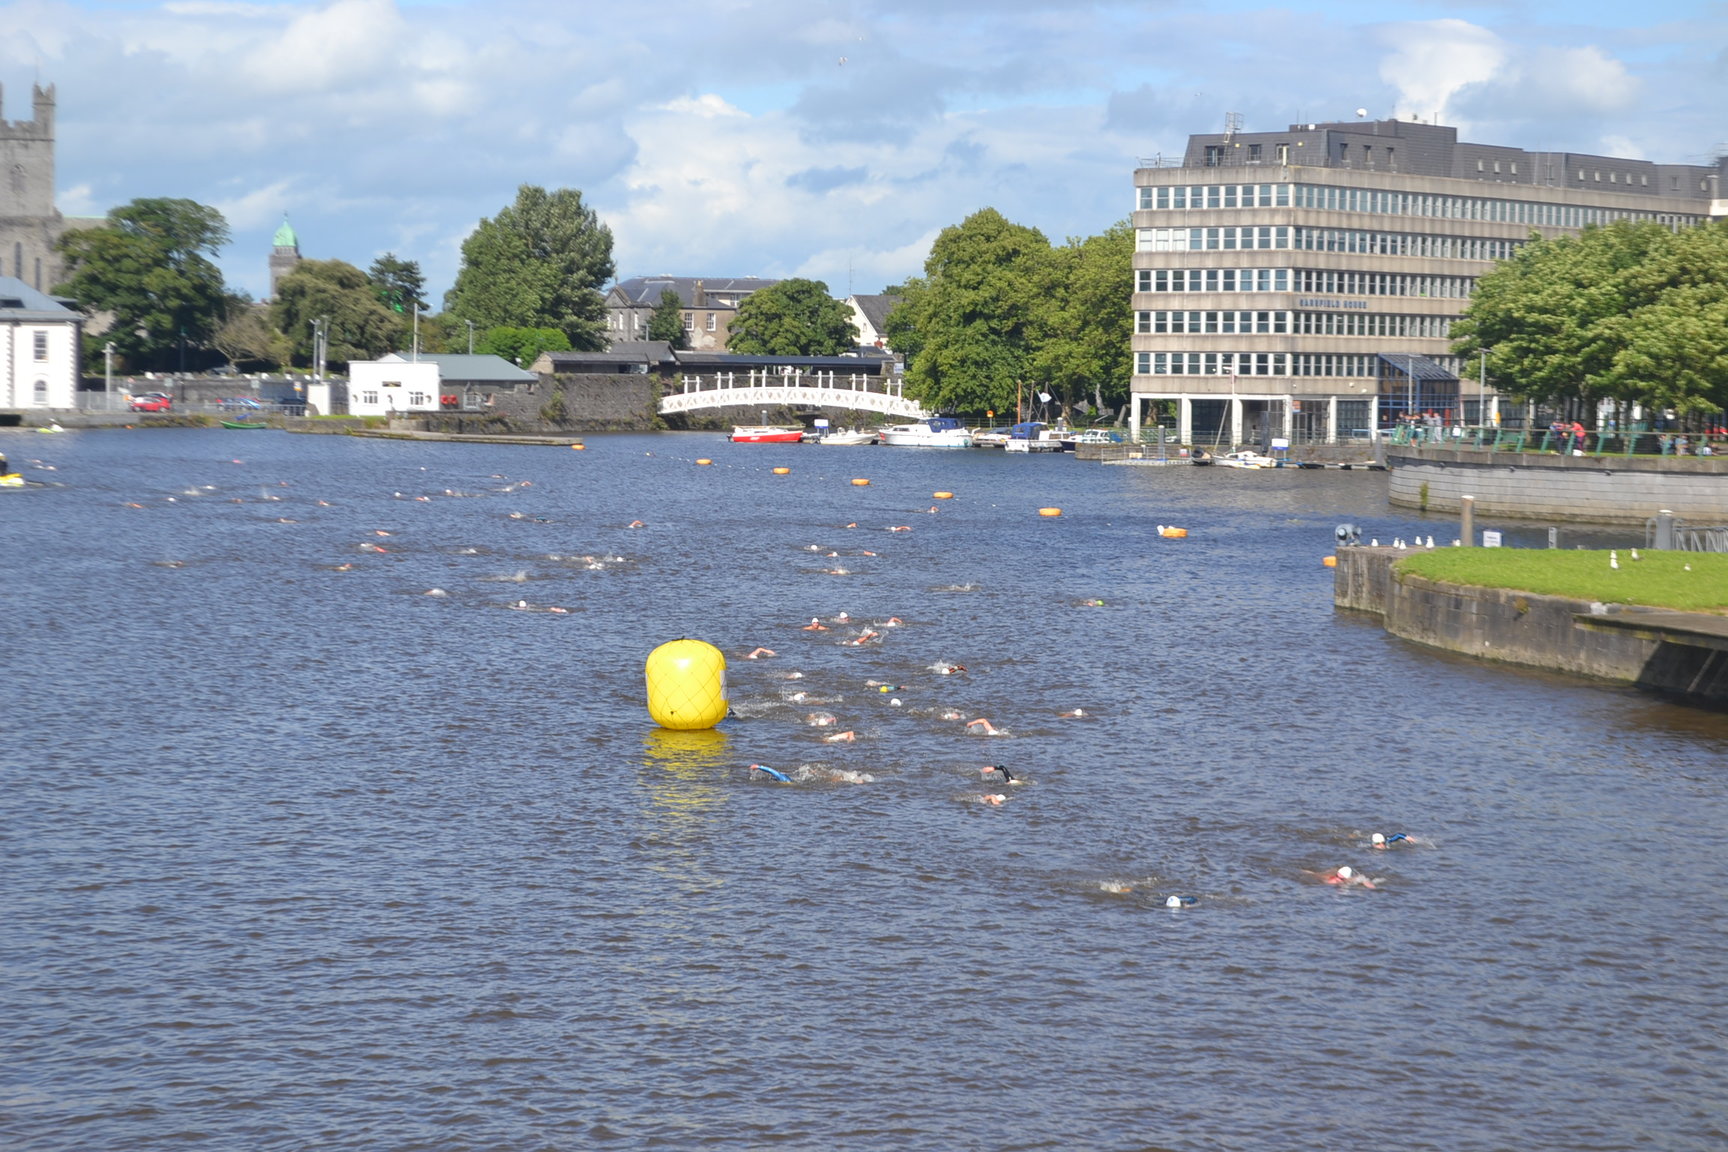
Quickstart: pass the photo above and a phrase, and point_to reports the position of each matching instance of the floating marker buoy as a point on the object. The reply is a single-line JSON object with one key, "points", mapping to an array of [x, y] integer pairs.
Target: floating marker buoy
{"points": [[704, 460], [942, 495], [578, 447], [781, 471], [686, 685], [1049, 511], [860, 483], [1172, 532], [1329, 561]]}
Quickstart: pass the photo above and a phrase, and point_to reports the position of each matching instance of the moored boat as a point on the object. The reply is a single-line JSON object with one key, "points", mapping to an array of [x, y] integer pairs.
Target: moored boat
{"points": [[1245, 459], [1032, 436], [765, 434], [243, 424], [932, 432], [843, 439]]}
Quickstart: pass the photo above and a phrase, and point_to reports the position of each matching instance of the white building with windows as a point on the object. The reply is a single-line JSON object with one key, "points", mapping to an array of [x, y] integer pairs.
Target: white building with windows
{"points": [[1303, 284], [401, 383], [40, 338]]}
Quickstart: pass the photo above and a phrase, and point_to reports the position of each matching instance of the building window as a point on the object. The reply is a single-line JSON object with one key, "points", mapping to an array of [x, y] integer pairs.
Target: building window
{"points": [[689, 321], [417, 399], [1514, 167], [39, 339], [1613, 177], [713, 322], [1214, 155], [1598, 176], [1253, 153], [368, 397], [1283, 153], [1479, 166], [42, 392]]}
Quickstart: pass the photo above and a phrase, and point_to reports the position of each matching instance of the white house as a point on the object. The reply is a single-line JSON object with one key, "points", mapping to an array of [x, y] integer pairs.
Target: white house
{"points": [[399, 384], [39, 349]]}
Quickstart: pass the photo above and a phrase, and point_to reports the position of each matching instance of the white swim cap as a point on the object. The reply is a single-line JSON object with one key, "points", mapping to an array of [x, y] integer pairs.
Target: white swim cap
{"points": [[1172, 901], [1345, 873], [1379, 838]]}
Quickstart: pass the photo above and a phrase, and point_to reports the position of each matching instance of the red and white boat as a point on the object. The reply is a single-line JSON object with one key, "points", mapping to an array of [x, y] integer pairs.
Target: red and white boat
{"points": [[765, 434]]}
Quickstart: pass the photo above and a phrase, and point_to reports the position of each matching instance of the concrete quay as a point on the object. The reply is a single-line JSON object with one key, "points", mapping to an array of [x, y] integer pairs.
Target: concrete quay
{"points": [[1545, 486], [1678, 654]]}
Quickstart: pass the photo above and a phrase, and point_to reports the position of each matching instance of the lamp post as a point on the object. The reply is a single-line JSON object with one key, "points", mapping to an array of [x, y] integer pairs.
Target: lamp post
{"points": [[470, 324], [108, 368]]}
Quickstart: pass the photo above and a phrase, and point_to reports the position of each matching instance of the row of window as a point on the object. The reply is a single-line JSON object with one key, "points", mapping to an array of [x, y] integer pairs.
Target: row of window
{"points": [[1332, 198], [1264, 364], [415, 399], [1299, 323], [641, 321], [1323, 240], [1301, 280]]}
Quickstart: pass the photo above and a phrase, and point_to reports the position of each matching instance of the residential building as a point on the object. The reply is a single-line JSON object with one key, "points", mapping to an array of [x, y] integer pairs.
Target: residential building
{"points": [[400, 384], [40, 338], [1303, 284], [870, 317], [708, 305]]}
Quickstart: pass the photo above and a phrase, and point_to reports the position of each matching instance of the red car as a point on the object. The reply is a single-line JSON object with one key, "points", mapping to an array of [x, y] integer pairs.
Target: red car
{"points": [[152, 402]]}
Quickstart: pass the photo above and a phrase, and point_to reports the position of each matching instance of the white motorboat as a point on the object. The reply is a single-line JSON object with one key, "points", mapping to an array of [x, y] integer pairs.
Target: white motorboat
{"points": [[933, 432], [1244, 459], [1032, 436], [844, 439]]}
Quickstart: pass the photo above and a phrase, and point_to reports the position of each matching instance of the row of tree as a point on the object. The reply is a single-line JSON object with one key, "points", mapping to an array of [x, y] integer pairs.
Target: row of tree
{"points": [[532, 279], [1623, 314]]}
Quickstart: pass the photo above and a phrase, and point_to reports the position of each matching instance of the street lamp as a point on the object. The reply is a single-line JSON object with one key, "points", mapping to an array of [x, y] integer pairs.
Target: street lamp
{"points": [[1482, 389], [470, 324], [108, 368]]}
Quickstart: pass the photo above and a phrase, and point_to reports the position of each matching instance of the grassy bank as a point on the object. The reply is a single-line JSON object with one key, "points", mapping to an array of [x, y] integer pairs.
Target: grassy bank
{"points": [[1657, 579]]}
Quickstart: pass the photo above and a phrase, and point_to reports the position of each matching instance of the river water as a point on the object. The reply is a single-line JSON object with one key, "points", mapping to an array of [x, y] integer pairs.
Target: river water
{"points": [[299, 856]]}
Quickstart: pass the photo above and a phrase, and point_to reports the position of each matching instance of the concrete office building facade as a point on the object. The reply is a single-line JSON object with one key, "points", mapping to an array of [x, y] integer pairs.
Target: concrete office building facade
{"points": [[1303, 284]]}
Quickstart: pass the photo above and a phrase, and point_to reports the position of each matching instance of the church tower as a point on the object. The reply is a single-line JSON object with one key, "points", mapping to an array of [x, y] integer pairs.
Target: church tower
{"points": [[29, 224], [284, 255]]}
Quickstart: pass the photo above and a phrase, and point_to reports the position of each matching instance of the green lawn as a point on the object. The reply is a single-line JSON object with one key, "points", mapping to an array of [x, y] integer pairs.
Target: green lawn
{"points": [[1658, 579]]}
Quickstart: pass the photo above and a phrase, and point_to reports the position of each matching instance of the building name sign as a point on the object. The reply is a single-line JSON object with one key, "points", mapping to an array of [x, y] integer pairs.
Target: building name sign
{"points": [[1316, 302]]}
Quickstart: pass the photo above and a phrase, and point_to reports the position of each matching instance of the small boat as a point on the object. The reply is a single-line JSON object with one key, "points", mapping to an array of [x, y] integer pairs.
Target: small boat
{"points": [[990, 437], [933, 432], [765, 434], [243, 424], [1245, 459], [844, 439], [1090, 436], [1200, 457], [1032, 436]]}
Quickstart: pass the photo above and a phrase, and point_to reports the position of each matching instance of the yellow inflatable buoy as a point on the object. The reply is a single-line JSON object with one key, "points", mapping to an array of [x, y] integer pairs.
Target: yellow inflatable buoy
{"points": [[942, 495], [704, 460], [578, 447], [1049, 511], [861, 483], [1329, 561], [1172, 532], [686, 685], [781, 471]]}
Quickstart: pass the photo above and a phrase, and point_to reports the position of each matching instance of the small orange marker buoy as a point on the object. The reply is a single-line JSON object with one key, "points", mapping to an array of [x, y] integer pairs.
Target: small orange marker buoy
{"points": [[942, 495], [781, 471], [704, 460], [860, 483], [1049, 511], [1329, 561], [578, 447]]}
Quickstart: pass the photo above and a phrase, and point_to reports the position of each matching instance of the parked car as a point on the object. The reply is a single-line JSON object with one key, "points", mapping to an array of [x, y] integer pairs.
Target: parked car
{"points": [[152, 402], [240, 404]]}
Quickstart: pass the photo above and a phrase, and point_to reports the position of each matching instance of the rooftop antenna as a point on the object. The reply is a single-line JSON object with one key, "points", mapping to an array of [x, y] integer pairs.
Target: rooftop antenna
{"points": [[1232, 125]]}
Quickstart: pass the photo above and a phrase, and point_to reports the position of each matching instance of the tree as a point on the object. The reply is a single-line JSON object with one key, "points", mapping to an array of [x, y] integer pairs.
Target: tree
{"points": [[542, 262], [1082, 338], [1628, 313], [358, 325], [667, 322], [521, 346], [150, 268], [792, 318], [398, 283], [967, 326], [247, 337]]}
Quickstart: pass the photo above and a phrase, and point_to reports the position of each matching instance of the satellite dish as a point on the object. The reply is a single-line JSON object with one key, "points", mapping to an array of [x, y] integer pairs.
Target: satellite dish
{"points": [[1361, 112]]}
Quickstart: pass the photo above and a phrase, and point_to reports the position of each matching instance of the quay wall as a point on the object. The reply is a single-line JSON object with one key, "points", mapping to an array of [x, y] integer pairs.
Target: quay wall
{"points": [[1602, 641], [1538, 486]]}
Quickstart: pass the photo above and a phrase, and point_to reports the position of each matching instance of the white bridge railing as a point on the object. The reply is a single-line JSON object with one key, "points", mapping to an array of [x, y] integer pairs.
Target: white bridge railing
{"points": [[773, 389]]}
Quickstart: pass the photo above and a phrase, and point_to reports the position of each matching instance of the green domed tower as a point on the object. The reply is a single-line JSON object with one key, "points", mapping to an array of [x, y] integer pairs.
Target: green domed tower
{"points": [[284, 255]]}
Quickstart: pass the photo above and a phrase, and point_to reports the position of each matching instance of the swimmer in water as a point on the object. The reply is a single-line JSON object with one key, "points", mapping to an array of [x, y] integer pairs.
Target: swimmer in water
{"points": [[841, 738], [771, 773], [949, 669], [759, 654], [1381, 841], [815, 625], [994, 799], [1077, 714], [1180, 901], [983, 726], [901, 528], [1348, 877], [635, 524], [1007, 776]]}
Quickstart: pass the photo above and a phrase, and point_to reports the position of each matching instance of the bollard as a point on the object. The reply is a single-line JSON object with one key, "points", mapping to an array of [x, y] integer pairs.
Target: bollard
{"points": [[1665, 530], [1553, 537], [1467, 520]]}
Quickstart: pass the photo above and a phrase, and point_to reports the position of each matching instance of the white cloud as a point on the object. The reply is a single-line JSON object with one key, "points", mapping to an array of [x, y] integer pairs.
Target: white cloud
{"points": [[1432, 62]]}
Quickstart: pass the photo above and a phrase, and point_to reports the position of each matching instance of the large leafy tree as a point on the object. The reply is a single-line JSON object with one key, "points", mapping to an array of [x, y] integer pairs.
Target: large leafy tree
{"points": [[968, 325], [542, 262], [359, 326], [1081, 338], [150, 267], [247, 338], [792, 318], [1631, 313], [667, 321], [398, 283]]}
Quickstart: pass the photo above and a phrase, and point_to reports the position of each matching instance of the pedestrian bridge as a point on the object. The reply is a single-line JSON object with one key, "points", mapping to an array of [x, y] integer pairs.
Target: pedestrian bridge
{"points": [[777, 389]]}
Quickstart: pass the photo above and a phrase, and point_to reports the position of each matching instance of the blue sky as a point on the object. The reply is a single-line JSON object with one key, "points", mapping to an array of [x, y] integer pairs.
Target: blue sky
{"points": [[822, 138]]}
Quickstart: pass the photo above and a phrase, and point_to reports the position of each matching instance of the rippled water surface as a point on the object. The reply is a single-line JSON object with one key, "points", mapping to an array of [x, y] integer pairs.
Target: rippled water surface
{"points": [[299, 856]]}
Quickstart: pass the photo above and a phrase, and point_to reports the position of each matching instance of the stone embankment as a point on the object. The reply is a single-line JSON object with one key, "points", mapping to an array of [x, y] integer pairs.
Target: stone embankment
{"points": [[1680, 654], [1546, 486]]}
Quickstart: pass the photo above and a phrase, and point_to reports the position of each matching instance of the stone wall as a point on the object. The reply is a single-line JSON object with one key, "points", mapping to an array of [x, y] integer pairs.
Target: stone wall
{"points": [[1530, 485], [576, 402]]}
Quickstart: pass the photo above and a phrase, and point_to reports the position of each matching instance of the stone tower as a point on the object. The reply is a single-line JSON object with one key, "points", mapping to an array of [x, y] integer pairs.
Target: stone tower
{"points": [[29, 223], [284, 254]]}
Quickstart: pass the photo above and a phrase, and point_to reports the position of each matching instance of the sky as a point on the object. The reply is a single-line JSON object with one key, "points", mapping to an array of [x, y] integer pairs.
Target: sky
{"points": [[829, 139]]}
